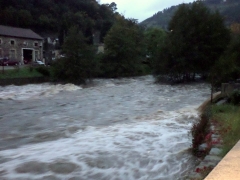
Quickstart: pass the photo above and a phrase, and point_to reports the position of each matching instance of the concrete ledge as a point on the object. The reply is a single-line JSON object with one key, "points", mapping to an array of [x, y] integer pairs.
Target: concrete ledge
{"points": [[229, 167], [215, 97]]}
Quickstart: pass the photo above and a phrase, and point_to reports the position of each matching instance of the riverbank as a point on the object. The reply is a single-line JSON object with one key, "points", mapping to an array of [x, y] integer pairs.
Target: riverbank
{"points": [[24, 75], [223, 134]]}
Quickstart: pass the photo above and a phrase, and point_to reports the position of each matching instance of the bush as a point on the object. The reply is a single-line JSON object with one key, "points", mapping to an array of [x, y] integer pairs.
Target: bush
{"points": [[199, 132], [43, 70], [235, 98]]}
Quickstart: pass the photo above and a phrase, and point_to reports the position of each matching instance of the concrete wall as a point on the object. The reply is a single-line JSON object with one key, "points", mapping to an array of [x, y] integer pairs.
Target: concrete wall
{"points": [[229, 167]]}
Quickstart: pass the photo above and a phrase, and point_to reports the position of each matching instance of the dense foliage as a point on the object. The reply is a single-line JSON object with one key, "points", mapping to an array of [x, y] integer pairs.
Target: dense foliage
{"points": [[195, 42], [78, 65], [228, 64], [124, 49], [57, 16], [154, 39]]}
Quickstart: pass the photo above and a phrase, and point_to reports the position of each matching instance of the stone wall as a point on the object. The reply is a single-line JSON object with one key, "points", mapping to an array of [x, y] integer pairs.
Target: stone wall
{"points": [[12, 47]]}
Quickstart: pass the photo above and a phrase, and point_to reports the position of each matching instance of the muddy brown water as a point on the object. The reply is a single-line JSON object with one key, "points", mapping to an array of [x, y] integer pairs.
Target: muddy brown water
{"points": [[128, 128]]}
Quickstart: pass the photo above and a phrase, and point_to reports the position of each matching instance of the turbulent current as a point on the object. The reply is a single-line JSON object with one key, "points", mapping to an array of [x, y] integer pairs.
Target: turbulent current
{"points": [[115, 129]]}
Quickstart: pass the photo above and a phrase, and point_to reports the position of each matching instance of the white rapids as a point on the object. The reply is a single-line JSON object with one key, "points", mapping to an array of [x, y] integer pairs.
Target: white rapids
{"points": [[34, 91], [149, 146]]}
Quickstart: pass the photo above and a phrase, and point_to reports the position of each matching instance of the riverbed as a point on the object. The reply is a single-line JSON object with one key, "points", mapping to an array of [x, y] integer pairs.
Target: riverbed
{"points": [[126, 129]]}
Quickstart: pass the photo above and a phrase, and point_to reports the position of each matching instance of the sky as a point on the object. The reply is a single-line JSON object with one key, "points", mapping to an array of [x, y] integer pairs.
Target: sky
{"points": [[142, 9]]}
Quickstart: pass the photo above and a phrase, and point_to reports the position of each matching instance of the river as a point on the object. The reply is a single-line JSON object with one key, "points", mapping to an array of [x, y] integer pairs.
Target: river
{"points": [[112, 129]]}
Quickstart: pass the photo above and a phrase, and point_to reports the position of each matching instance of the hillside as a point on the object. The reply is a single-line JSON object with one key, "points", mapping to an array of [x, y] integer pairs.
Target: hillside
{"points": [[57, 16], [229, 9]]}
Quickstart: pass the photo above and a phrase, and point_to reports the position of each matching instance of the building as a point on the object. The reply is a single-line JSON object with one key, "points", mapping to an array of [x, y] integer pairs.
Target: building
{"points": [[20, 44]]}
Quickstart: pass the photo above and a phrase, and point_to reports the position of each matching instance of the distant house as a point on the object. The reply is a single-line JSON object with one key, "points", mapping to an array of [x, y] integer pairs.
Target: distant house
{"points": [[20, 44]]}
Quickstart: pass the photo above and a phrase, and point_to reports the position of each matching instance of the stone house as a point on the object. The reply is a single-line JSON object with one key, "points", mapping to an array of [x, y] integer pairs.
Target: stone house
{"points": [[20, 44]]}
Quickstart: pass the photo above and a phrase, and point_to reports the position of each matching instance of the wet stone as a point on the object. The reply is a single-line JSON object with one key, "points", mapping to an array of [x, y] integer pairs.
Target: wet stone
{"points": [[62, 167], [194, 175], [215, 151], [212, 158], [215, 136], [33, 167], [208, 164], [203, 147]]}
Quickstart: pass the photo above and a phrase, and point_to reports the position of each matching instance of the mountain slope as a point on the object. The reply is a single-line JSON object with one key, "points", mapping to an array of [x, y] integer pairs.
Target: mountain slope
{"points": [[230, 10]]}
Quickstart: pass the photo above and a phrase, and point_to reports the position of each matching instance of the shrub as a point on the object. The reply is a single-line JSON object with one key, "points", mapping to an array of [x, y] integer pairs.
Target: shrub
{"points": [[199, 132], [235, 98], [43, 70]]}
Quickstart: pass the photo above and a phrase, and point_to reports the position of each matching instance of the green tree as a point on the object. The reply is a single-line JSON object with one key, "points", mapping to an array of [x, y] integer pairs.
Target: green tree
{"points": [[196, 39], [228, 67], [79, 64], [123, 49], [155, 38]]}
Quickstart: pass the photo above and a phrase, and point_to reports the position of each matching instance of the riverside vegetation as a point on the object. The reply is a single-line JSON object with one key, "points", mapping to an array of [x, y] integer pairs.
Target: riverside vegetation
{"points": [[200, 48], [226, 127], [26, 72]]}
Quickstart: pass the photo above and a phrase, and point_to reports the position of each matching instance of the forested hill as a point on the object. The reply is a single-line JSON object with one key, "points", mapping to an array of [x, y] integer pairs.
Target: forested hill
{"points": [[230, 9], [56, 16]]}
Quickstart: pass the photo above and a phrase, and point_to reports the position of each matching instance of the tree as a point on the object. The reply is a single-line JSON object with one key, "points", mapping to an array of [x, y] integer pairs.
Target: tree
{"points": [[155, 38], [123, 48], [78, 65], [196, 39], [228, 67], [113, 6], [235, 28]]}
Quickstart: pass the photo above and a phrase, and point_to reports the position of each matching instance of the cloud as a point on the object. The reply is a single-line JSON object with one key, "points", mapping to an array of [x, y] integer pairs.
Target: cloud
{"points": [[143, 9]]}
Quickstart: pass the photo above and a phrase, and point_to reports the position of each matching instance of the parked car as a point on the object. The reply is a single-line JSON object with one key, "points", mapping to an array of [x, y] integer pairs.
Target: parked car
{"points": [[3, 61], [38, 63], [8, 62], [12, 62]]}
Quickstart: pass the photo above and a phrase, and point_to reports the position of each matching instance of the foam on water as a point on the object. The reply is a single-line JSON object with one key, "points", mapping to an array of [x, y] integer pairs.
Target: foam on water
{"points": [[34, 91], [153, 147], [119, 133]]}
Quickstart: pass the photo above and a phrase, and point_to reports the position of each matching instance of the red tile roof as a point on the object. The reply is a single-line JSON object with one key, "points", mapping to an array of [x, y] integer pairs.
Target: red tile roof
{"points": [[18, 32]]}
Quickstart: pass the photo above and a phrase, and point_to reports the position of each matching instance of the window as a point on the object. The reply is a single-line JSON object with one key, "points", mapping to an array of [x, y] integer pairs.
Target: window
{"points": [[12, 54], [1, 53], [0, 41], [35, 44], [12, 42]]}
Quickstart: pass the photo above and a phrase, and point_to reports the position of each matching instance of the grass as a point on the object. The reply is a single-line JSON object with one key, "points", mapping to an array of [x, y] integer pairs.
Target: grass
{"points": [[227, 120], [25, 72]]}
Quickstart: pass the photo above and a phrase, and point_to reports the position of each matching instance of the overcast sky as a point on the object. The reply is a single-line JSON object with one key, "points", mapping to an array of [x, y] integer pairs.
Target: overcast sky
{"points": [[142, 9]]}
